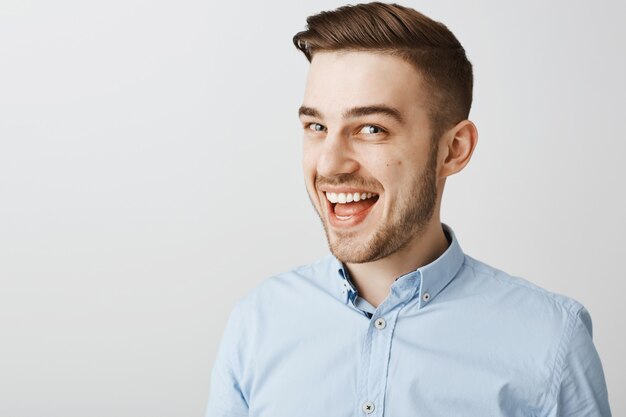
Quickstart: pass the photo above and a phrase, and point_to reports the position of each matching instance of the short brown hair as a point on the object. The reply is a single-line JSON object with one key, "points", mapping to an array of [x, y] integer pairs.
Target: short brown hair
{"points": [[390, 28]]}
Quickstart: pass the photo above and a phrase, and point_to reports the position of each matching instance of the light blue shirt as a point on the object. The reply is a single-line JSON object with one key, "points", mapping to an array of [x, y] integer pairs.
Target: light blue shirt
{"points": [[455, 337]]}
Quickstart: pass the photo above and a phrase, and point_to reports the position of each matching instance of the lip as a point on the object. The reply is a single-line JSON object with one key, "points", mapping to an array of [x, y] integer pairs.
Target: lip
{"points": [[346, 190], [355, 220]]}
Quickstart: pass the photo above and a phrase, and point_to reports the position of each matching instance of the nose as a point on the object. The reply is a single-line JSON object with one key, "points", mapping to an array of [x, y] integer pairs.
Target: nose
{"points": [[337, 156]]}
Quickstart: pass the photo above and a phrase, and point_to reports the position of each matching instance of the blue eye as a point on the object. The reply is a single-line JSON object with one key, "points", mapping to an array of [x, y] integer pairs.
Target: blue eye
{"points": [[316, 127], [371, 129]]}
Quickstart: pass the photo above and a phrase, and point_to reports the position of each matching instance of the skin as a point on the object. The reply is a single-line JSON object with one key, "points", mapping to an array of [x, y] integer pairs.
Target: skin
{"points": [[366, 128]]}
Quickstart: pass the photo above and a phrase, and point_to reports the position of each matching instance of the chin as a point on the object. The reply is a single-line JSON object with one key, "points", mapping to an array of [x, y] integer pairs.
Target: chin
{"points": [[352, 251]]}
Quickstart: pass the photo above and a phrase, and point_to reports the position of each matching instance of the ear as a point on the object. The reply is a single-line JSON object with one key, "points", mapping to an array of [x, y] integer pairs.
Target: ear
{"points": [[456, 148]]}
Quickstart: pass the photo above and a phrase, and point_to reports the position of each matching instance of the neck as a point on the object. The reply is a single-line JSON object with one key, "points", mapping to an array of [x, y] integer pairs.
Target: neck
{"points": [[373, 280]]}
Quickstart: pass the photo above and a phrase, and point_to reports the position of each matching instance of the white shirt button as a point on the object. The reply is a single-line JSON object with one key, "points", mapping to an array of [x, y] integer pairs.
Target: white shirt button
{"points": [[425, 297], [380, 323], [368, 407]]}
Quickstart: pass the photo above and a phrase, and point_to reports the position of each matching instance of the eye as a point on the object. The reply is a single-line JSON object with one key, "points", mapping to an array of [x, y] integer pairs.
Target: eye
{"points": [[371, 130], [316, 127]]}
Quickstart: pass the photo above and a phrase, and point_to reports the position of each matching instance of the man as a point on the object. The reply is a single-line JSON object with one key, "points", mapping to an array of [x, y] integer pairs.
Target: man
{"points": [[398, 321]]}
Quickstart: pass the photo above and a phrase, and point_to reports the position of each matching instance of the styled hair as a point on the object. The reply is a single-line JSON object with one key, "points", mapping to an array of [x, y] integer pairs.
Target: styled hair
{"points": [[401, 31]]}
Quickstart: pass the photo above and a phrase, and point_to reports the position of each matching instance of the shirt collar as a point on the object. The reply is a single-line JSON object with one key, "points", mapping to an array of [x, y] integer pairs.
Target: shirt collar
{"points": [[438, 274], [426, 282]]}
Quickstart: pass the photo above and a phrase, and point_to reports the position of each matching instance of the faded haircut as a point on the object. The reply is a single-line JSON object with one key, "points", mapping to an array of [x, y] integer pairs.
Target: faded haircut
{"points": [[401, 31]]}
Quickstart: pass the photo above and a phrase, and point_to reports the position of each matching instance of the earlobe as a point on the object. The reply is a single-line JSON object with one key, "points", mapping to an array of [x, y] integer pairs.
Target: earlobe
{"points": [[458, 147]]}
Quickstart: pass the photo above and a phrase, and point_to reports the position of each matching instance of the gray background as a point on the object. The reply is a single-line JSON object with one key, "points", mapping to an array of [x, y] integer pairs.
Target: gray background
{"points": [[150, 176]]}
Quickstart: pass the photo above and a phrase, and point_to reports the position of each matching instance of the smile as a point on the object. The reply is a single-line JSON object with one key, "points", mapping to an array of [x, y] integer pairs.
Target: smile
{"points": [[348, 209], [343, 198]]}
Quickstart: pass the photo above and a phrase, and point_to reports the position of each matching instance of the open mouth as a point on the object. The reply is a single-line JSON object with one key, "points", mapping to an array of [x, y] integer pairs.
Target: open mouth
{"points": [[349, 209]]}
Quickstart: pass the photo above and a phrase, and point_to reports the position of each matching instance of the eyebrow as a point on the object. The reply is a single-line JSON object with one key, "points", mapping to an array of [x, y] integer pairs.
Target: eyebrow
{"points": [[309, 111], [357, 112]]}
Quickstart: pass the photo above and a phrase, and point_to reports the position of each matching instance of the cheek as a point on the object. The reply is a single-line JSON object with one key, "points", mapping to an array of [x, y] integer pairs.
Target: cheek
{"points": [[390, 167], [393, 165], [310, 156], [395, 172]]}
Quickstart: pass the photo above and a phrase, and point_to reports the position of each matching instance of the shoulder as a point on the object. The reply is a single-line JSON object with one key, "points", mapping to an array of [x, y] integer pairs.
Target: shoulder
{"points": [[518, 292], [539, 326], [518, 310], [298, 285]]}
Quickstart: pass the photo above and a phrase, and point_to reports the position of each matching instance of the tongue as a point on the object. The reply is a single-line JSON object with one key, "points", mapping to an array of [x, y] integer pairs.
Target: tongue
{"points": [[350, 209]]}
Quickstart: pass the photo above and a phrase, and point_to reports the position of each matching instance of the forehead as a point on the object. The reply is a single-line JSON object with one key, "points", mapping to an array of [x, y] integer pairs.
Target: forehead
{"points": [[341, 80]]}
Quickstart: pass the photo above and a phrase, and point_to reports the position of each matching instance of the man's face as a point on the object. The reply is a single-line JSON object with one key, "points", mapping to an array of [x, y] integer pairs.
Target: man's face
{"points": [[369, 164]]}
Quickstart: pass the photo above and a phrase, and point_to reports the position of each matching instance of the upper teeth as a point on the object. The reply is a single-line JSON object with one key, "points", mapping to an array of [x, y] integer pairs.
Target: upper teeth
{"points": [[343, 198]]}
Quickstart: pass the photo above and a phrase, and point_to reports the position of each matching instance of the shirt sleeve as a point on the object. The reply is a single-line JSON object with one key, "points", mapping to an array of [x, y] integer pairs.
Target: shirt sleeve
{"points": [[581, 388], [226, 398]]}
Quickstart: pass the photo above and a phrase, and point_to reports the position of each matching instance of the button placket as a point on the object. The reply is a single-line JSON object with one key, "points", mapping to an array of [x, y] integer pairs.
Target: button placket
{"points": [[368, 407], [377, 347], [377, 363]]}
